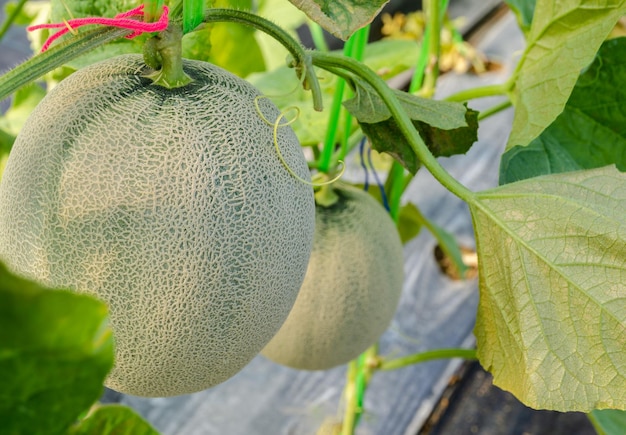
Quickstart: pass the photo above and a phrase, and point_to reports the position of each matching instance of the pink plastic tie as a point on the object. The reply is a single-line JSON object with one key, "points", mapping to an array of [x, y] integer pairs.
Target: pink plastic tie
{"points": [[120, 20]]}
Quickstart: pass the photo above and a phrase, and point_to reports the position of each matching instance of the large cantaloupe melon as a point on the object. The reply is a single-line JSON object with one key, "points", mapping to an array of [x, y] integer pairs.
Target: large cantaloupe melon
{"points": [[169, 204], [351, 288]]}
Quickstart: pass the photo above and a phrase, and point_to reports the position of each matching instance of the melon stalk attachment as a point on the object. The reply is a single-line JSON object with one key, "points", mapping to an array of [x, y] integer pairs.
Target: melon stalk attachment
{"points": [[168, 49]]}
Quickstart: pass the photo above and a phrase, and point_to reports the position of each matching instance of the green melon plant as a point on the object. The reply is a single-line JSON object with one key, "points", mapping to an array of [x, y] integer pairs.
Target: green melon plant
{"points": [[178, 195]]}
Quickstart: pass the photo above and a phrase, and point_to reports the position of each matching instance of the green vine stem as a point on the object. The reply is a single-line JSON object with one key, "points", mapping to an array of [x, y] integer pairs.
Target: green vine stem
{"points": [[301, 57], [428, 51], [418, 75], [358, 51], [354, 49], [329, 60], [55, 57], [495, 109], [480, 92], [430, 355], [349, 396], [335, 114], [11, 18], [360, 372], [431, 72], [397, 184]]}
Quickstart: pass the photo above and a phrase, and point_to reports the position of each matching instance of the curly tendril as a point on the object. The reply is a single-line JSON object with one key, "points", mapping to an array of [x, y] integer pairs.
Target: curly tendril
{"points": [[275, 125]]}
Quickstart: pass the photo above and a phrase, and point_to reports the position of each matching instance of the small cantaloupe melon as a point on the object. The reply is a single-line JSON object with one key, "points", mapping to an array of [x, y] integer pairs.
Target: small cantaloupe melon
{"points": [[169, 204], [351, 288]]}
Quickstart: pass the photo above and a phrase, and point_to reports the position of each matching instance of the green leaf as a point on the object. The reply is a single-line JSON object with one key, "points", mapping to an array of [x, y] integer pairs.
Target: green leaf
{"points": [[68, 9], [234, 46], [409, 218], [446, 241], [236, 49], [409, 222], [591, 131], [447, 128], [390, 57], [551, 323], [23, 103], [341, 17], [524, 10], [564, 37], [113, 420], [192, 14], [55, 351], [610, 421], [197, 44]]}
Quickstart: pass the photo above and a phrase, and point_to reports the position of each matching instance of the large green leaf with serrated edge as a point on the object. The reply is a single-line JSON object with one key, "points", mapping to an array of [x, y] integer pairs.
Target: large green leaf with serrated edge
{"points": [[551, 324], [113, 420], [55, 351], [563, 39], [591, 131], [446, 128], [341, 17]]}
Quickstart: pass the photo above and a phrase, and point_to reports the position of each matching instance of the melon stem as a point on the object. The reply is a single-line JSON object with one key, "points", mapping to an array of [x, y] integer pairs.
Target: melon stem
{"points": [[326, 196], [169, 47]]}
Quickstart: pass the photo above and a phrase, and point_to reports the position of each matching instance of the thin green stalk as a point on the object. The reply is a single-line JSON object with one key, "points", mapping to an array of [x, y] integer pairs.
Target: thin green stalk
{"points": [[11, 18], [360, 372], [301, 56], [335, 114], [349, 396], [479, 92], [317, 34], [353, 140], [55, 57], [396, 189], [361, 36], [425, 50], [357, 52], [422, 59], [434, 45], [427, 356], [325, 60], [495, 109]]}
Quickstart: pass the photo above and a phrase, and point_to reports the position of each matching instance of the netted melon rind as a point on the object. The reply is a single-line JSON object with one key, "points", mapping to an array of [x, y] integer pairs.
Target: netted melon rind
{"points": [[170, 205], [351, 288]]}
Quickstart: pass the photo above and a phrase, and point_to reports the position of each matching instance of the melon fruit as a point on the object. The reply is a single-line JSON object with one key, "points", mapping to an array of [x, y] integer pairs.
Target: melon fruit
{"points": [[351, 288], [172, 206]]}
